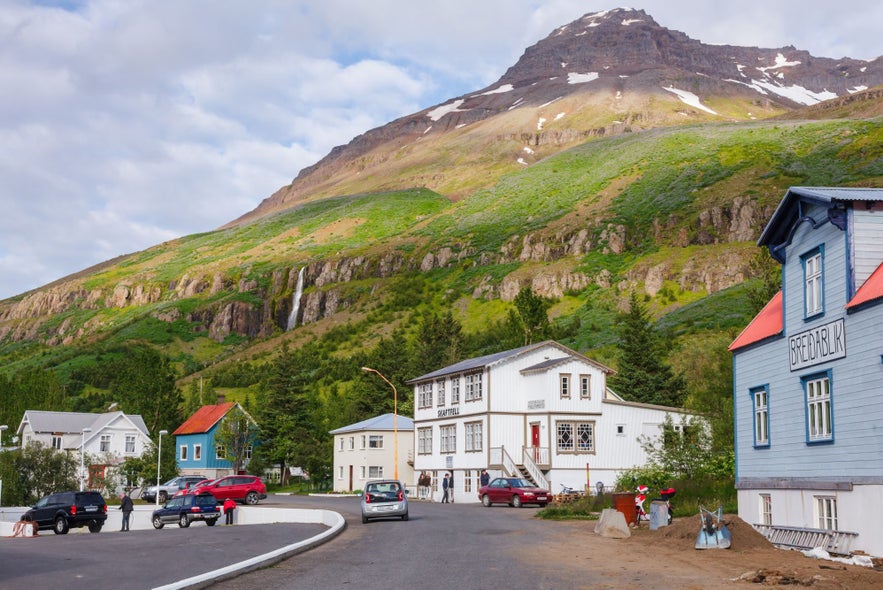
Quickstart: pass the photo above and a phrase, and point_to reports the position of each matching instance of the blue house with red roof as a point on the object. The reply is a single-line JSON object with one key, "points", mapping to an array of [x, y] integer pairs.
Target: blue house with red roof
{"points": [[808, 376], [197, 452]]}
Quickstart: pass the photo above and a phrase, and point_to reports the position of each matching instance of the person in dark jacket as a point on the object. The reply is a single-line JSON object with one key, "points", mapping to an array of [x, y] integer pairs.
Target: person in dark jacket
{"points": [[445, 485], [127, 506], [485, 478]]}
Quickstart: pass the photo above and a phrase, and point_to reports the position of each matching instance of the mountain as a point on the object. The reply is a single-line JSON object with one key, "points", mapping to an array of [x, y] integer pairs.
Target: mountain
{"points": [[604, 74], [615, 155]]}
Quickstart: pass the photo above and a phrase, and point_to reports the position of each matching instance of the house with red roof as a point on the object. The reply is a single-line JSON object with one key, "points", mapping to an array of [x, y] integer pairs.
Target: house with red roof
{"points": [[807, 374], [198, 451]]}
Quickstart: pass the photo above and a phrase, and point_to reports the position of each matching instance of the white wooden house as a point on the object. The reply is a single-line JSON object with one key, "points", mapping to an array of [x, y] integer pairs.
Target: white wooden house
{"points": [[808, 373], [106, 439], [368, 450], [542, 411]]}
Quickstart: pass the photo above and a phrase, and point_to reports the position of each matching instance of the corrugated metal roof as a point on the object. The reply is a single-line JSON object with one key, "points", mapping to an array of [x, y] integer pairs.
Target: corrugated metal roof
{"points": [[546, 364], [75, 422], [382, 422], [765, 324], [872, 289], [204, 419]]}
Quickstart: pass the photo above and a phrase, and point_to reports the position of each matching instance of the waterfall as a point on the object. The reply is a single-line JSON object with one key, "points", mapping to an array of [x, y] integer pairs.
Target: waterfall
{"points": [[295, 300]]}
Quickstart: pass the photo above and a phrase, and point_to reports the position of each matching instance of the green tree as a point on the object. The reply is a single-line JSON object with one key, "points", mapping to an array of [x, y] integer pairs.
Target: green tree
{"points": [[767, 278], [144, 383], [439, 341], [642, 374], [681, 450], [236, 434], [42, 470], [530, 316]]}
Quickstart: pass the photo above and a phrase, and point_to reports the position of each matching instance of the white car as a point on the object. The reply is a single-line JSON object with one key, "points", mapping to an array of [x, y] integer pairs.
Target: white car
{"points": [[171, 487], [385, 498]]}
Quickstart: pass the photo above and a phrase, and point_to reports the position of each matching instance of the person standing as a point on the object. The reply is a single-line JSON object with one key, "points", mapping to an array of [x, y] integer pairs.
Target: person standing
{"points": [[451, 485], [127, 506], [229, 508], [485, 478], [421, 486], [445, 484]]}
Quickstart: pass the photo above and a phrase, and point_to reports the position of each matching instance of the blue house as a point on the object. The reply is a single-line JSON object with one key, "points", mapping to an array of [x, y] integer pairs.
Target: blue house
{"points": [[197, 451], [808, 372]]}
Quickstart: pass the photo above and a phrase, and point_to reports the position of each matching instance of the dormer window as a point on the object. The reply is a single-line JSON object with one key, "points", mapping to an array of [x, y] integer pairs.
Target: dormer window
{"points": [[813, 294]]}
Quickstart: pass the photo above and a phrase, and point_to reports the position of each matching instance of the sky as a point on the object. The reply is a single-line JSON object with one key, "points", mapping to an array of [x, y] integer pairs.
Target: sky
{"points": [[127, 123]]}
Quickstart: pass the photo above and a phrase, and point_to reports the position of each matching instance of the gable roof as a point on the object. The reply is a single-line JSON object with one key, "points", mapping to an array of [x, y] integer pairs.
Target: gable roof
{"points": [[869, 292], [765, 324], [74, 422], [204, 419], [481, 362], [382, 422]]}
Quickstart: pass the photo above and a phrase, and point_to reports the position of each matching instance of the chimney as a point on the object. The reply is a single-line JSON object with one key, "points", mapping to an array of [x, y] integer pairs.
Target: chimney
{"points": [[222, 398]]}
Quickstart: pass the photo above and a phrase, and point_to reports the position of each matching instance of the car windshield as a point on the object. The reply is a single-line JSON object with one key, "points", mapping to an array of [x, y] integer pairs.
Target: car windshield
{"points": [[516, 482]]}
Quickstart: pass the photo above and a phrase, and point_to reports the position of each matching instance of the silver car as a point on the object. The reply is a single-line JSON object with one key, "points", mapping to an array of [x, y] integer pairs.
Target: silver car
{"points": [[384, 498]]}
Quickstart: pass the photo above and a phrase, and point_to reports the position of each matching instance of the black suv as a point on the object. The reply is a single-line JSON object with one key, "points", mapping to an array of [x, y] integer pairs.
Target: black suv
{"points": [[66, 510], [185, 509]]}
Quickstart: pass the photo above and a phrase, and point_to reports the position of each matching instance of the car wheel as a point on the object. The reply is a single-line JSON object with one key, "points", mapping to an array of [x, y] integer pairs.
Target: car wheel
{"points": [[405, 516], [163, 497], [543, 505], [364, 520], [252, 498], [516, 501], [183, 521], [486, 500], [60, 527], [211, 521], [158, 523], [95, 526]]}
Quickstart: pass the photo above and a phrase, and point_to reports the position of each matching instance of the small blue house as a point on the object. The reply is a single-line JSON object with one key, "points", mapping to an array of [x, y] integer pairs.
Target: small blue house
{"points": [[807, 375], [197, 453]]}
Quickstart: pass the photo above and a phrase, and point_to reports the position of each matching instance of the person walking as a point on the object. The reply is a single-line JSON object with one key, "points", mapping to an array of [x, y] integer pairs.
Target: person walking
{"points": [[229, 508], [445, 484], [485, 478], [127, 506]]}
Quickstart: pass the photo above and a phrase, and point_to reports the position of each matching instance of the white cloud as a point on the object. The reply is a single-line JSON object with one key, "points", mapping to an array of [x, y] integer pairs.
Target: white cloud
{"points": [[124, 124]]}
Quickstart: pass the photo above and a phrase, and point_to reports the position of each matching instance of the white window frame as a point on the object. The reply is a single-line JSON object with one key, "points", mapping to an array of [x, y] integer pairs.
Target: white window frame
{"points": [[424, 441], [575, 437], [440, 388], [564, 385], [455, 390], [760, 399], [375, 472], [362, 442], [197, 452], [249, 449], [765, 509], [220, 452], [362, 471], [814, 282], [56, 442], [448, 438], [474, 436], [130, 444], [104, 443], [826, 512], [424, 395], [585, 387], [340, 446], [375, 441], [340, 472], [474, 383], [819, 409], [182, 452], [352, 443]]}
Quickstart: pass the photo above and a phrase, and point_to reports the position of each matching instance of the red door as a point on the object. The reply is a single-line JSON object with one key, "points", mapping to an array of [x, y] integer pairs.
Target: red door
{"points": [[535, 440]]}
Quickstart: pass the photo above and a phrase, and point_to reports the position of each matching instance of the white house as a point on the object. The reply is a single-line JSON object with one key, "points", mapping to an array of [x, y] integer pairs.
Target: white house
{"points": [[367, 450], [542, 412], [106, 439], [808, 372]]}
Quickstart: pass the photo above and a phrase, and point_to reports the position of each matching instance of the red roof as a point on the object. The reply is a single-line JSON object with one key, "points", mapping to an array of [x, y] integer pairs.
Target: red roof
{"points": [[204, 419], [872, 289], [765, 324]]}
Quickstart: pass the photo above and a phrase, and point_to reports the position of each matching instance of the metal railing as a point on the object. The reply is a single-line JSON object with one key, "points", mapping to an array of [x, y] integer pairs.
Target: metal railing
{"points": [[835, 542]]}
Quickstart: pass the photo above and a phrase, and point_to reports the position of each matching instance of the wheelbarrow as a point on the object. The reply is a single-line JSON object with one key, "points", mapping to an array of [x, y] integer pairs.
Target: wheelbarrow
{"points": [[713, 534]]}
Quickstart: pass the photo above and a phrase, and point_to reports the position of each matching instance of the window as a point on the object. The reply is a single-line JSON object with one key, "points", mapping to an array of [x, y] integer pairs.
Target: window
{"points": [[340, 445], [375, 471], [576, 437], [813, 283], [424, 441], [352, 442], [220, 452], [362, 442], [248, 451], [620, 430], [818, 408], [473, 387], [104, 445], [766, 509], [564, 385], [448, 439], [424, 395], [56, 442], [130, 444], [826, 510], [585, 386], [375, 441], [340, 472], [760, 399], [197, 452], [455, 390], [440, 387], [362, 472], [467, 481], [473, 435], [183, 452]]}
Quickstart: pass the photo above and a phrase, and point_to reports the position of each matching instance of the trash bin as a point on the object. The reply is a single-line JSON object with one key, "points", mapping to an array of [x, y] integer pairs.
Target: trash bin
{"points": [[658, 514], [625, 502]]}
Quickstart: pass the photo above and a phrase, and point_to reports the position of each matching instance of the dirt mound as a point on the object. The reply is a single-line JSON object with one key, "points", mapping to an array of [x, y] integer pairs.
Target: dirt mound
{"points": [[682, 534]]}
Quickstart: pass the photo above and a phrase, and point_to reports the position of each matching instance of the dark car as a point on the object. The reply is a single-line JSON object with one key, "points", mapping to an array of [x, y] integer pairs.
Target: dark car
{"points": [[242, 488], [185, 509], [69, 510], [170, 488], [514, 491]]}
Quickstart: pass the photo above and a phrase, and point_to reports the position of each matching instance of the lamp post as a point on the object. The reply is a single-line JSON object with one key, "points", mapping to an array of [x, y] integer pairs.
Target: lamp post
{"points": [[395, 416], [83, 460], [2, 428], [159, 463]]}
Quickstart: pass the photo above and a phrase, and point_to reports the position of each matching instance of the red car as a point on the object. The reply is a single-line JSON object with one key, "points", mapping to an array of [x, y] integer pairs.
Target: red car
{"points": [[242, 488], [514, 491]]}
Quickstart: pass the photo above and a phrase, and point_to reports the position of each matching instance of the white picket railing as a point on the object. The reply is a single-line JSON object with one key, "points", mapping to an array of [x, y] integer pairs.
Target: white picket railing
{"points": [[528, 455]]}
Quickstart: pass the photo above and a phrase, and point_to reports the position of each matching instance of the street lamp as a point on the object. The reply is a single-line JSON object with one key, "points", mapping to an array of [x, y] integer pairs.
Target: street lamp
{"points": [[158, 463], [2, 428], [395, 416], [83, 459]]}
